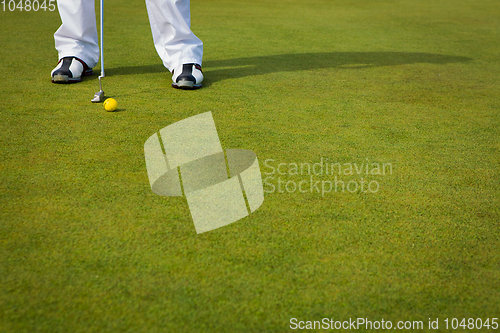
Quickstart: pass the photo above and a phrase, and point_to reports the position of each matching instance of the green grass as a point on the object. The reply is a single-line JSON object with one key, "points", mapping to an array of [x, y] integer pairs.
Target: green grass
{"points": [[86, 246]]}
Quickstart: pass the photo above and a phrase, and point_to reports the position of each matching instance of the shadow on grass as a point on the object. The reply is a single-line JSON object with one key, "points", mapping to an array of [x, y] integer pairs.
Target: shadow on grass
{"points": [[218, 70]]}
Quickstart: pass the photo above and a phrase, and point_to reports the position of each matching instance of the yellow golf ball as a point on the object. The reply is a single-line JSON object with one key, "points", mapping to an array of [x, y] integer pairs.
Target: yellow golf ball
{"points": [[110, 104]]}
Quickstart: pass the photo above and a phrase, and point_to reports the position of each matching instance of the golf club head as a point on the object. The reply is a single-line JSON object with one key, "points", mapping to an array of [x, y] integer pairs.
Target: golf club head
{"points": [[98, 97]]}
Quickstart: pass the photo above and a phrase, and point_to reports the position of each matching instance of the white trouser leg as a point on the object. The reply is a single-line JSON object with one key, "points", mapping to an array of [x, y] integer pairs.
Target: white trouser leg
{"points": [[171, 27], [77, 35]]}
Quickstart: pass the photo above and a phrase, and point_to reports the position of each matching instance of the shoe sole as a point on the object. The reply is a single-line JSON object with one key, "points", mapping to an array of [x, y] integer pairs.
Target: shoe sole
{"points": [[64, 79], [186, 85]]}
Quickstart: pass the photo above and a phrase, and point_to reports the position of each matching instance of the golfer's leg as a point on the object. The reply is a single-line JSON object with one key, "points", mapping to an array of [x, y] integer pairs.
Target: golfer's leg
{"points": [[77, 36], [171, 27]]}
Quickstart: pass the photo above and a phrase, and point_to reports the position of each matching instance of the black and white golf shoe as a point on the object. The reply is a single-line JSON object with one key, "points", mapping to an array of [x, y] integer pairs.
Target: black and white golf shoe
{"points": [[70, 70], [187, 76]]}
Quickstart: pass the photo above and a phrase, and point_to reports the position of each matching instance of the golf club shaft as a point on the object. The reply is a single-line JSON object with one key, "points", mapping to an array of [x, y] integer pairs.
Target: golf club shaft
{"points": [[99, 96], [102, 34]]}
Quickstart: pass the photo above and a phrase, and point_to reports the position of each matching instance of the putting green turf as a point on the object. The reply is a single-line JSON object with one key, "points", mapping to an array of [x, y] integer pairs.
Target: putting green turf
{"points": [[86, 246]]}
